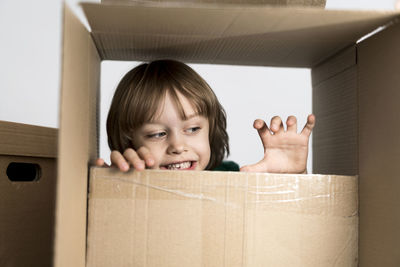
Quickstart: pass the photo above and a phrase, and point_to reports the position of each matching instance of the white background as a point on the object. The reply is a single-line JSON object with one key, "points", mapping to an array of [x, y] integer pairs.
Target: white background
{"points": [[30, 42]]}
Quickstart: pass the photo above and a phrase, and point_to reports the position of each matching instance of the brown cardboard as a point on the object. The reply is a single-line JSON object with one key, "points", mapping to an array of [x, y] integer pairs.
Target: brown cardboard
{"points": [[27, 209], [27, 140], [234, 34], [166, 218], [379, 82], [314, 3], [325, 41], [77, 140], [335, 104]]}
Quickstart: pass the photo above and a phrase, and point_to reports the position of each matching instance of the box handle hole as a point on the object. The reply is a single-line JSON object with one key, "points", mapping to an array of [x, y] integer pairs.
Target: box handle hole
{"points": [[23, 172]]}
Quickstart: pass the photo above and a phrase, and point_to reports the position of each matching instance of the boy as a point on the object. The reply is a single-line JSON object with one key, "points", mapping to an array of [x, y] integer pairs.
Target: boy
{"points": [[165, 116]]}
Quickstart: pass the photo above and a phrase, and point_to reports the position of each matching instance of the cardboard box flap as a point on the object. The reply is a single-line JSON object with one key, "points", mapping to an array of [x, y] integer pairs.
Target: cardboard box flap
{"points": [[316, 3], [233, 34], [77, 145]]}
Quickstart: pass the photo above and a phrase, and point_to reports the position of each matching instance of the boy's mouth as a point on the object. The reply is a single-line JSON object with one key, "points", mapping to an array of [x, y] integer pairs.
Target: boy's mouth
{"points": [[185, 165]]}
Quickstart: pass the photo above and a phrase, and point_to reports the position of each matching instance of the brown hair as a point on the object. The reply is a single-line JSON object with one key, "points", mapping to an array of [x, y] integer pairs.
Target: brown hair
{"points": [[140, 92]]}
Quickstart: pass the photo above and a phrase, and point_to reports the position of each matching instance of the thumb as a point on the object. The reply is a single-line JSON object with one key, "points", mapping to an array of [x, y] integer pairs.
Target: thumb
{"points": [[258, 167]]}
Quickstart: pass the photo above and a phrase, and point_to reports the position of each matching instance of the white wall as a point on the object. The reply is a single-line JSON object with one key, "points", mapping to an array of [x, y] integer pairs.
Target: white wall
{"points": [[29, 61], [30, 55], [360, 4], [30, 33]]}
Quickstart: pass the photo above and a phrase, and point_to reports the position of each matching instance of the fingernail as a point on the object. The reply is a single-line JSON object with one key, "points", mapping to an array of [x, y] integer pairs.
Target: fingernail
{"points": [[140, 166], [125, 166]]}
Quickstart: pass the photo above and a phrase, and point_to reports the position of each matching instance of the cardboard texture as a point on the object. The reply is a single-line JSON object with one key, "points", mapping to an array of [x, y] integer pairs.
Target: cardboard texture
{"points": [[314, 3], [348, 80], [27, 209], [235, 34], [27, 140], [77, 141], [335, 104], [166, 218], [379, 130]]}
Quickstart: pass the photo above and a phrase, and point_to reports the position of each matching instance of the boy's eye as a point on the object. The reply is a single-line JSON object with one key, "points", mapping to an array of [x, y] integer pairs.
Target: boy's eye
{"points": [[156, 135], [193, 129]]}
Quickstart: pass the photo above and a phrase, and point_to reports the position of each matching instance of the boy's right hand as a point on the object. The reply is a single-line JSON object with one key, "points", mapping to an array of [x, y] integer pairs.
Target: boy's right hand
{"points": [[139, 159]]}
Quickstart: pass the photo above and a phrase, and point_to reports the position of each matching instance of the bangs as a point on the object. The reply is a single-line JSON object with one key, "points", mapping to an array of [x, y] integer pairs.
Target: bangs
{"points": [[199, 107], [148, 110], [150, 93]]}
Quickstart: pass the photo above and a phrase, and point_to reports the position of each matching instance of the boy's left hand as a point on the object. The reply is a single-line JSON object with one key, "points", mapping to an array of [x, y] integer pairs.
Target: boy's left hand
{"points": [[284, 151]]}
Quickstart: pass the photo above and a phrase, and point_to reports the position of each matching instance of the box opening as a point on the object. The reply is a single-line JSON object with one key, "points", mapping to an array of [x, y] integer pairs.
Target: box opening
{"points": [[246, 93]]}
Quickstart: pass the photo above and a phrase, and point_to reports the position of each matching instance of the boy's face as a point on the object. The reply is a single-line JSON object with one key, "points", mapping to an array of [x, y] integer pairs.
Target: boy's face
{"points": [[174, 143]]}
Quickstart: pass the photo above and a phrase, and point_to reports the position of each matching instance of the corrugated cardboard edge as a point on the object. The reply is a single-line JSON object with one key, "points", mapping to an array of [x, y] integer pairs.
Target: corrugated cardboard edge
{"points": [[314, 3], [27, 140], [77, 140]]}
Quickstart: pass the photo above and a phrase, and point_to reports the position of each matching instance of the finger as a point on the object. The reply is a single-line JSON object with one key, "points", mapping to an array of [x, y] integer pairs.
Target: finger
{"points": [[261, 127], [118, 160], [291, 124], [144, 153], [276, 125], [309, 125], [101, 163], [258, 167], [263, 131], [133, 158]]}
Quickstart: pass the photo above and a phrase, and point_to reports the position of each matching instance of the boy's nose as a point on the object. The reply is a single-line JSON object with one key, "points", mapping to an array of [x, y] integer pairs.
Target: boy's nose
{"points": [[176, 145]]}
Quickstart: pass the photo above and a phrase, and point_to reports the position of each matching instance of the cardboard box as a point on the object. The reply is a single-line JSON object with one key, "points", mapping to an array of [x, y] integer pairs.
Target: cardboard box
{"points": [[27, 194], [163, 218], [355, 92]]}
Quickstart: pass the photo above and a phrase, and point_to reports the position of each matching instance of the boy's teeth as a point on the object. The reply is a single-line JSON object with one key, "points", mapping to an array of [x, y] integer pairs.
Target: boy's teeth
{"points": [[177, 166]]}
